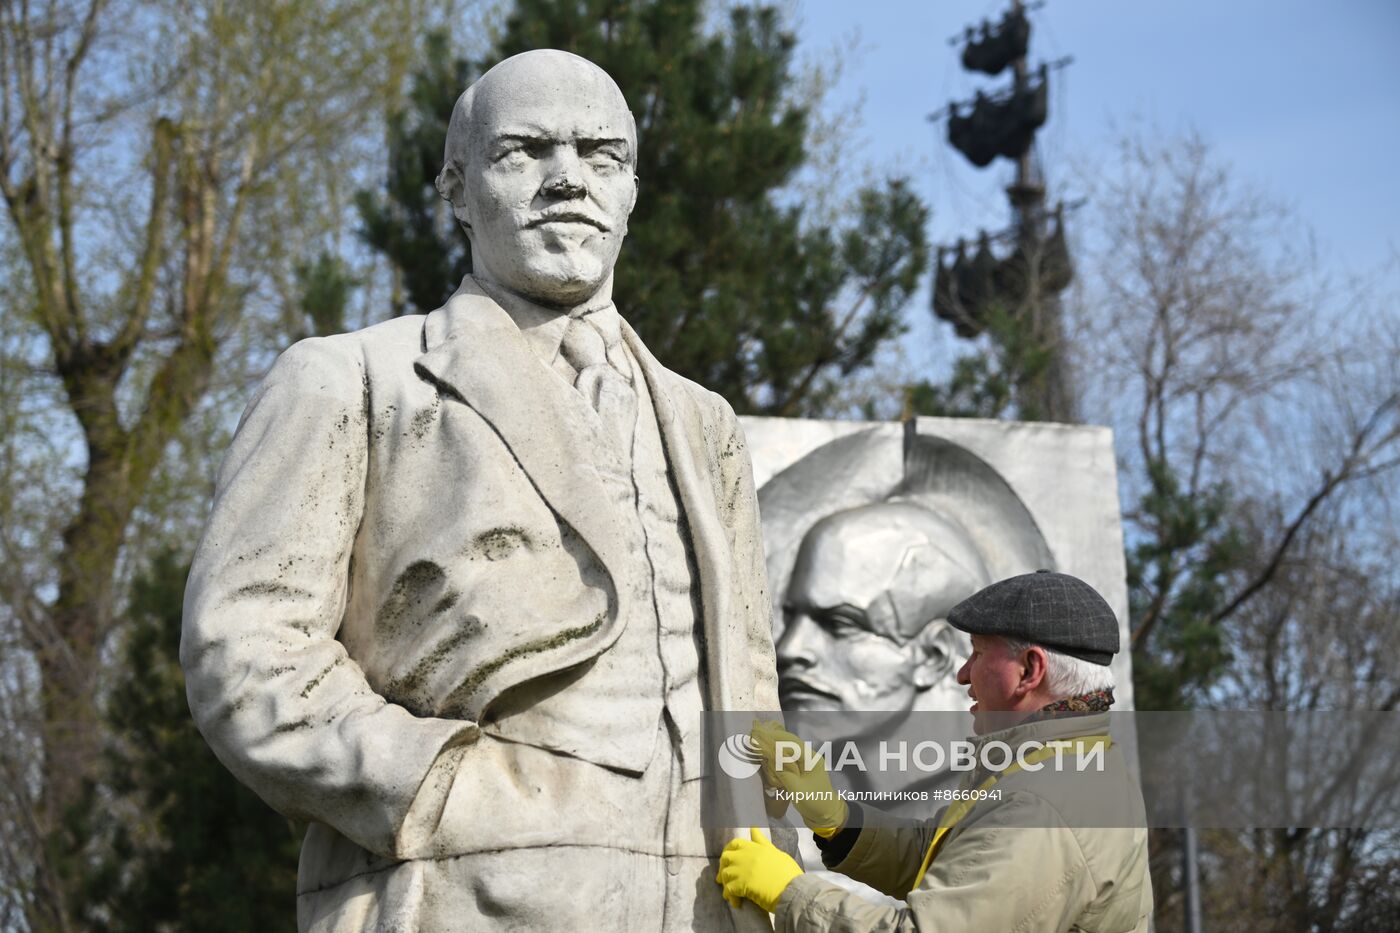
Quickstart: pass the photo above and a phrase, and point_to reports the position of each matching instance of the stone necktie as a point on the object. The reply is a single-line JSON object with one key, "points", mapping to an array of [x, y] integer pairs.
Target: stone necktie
{"points": [[592, 345]]}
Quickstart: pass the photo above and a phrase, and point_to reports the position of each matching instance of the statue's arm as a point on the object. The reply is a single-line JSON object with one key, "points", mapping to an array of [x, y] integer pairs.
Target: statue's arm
{"points": [[272, 690]]}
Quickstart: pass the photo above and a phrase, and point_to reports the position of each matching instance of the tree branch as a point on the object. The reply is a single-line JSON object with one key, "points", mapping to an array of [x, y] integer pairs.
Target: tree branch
{"points": [[64, 160], [825, 359], [1352, 467], [127, 338]]}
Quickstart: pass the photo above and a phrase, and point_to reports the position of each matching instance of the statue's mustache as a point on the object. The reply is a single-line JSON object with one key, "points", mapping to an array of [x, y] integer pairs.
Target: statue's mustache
{"points": [[569, 214]]}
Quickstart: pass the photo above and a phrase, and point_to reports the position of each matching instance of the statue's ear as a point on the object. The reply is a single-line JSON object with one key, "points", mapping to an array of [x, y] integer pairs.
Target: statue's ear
{"points": [[452, 188], [937, 645]]}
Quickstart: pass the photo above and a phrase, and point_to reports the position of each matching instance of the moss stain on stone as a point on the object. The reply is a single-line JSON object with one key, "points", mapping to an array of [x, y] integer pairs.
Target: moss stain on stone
{"points": [[410, 587], [557, 640], [269, 588], [316, 681], [423, 421], [410, 683], [498, 543], [254, 554]]}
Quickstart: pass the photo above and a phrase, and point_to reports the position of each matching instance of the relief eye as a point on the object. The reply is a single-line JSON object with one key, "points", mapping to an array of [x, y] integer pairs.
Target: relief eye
{"points": [[844, 624]]}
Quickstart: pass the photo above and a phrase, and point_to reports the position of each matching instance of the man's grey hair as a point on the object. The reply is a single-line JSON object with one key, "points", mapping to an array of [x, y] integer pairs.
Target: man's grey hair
{"points": [[1065, 675]]}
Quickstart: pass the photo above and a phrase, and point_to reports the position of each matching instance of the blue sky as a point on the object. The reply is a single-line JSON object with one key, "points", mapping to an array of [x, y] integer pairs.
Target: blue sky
{"points": [[1301, 98]]}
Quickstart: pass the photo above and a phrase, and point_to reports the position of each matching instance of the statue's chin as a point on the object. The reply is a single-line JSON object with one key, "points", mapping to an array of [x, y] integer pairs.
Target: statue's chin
{"points": [[559, 280], [564, 292]]}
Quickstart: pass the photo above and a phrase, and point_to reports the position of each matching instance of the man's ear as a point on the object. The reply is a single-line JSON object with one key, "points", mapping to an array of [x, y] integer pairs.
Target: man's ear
{"points": [[1035, 664], [938, 657]]}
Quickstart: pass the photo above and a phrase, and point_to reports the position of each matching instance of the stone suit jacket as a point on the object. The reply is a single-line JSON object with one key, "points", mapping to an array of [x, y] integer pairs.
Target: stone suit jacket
{"points": [[407, 525]]}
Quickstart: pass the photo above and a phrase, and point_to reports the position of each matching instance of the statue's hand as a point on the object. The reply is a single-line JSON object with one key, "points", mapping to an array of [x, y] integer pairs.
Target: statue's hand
{"points": [[804, 776]]}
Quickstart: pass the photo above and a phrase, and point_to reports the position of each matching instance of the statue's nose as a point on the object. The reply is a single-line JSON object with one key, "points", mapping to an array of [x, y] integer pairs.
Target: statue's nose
{"points": [[566, 180]]}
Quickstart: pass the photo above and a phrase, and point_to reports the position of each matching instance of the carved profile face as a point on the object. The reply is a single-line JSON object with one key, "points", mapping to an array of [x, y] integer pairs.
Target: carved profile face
{"points": [[546, 176], [865, 614]]}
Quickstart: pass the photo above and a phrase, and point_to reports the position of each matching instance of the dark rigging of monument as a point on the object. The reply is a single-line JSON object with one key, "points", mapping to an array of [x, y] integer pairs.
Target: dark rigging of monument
{"points": [[1025, 284]]}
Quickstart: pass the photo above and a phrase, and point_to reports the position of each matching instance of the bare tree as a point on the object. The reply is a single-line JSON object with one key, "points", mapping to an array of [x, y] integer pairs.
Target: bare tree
{"points": [[1258, 419], [158, 161]]}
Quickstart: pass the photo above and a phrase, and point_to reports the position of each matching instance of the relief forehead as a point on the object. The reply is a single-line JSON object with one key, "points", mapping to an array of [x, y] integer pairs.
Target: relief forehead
{"points": [[857, 555]]}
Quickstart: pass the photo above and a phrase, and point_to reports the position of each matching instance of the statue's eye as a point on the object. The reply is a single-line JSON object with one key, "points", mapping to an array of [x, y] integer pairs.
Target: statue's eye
{"points": [[519, 153], [605, 156]]}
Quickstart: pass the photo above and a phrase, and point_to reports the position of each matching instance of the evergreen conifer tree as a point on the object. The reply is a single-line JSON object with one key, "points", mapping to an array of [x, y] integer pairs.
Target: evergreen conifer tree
{"points": [[182, 844]]}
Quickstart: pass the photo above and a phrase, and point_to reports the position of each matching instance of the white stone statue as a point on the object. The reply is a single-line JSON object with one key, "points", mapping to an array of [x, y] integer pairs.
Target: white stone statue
{"points": [[472, 577]]}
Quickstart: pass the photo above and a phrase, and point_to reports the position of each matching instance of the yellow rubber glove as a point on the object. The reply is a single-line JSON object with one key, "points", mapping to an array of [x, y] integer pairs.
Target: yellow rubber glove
{"points": [[756, 870], [822, 810]]}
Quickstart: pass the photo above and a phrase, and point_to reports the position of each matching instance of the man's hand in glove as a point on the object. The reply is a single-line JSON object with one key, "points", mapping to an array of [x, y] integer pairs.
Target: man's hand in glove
{"points": [[821, 809], [756, 870]]}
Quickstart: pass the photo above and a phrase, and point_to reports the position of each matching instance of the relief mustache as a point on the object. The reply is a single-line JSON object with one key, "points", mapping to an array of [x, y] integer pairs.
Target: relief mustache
{"points": [[798, 684]]}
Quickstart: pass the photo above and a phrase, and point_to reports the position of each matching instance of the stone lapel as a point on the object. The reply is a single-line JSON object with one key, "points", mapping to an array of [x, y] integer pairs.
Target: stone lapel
{"points": [[475, 354], [682, 429]]}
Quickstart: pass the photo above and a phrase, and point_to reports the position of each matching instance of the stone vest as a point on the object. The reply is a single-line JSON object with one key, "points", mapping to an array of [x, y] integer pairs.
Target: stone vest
{"points": [[618, 699]]}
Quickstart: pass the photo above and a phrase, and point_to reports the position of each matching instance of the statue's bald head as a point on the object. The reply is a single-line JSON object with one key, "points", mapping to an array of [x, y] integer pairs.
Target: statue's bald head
{"points": [[530, 76], [540, 167]]}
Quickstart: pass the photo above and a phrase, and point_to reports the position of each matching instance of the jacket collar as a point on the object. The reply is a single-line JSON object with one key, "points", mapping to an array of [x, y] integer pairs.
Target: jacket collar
{"points": [[475, 353], [1050, 729]]}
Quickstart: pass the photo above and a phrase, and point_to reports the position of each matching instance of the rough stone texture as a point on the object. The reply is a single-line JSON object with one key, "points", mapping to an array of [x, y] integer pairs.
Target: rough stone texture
{"points": [[421, 614]]}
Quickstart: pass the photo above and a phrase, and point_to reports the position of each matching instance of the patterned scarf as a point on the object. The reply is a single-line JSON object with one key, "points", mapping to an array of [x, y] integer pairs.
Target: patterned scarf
{"points": [[1097, 702], [1080, 705]]}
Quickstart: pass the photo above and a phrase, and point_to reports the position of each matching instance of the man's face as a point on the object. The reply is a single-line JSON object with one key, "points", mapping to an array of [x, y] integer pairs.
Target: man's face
{"points": [[549, 180], [992, 675]]}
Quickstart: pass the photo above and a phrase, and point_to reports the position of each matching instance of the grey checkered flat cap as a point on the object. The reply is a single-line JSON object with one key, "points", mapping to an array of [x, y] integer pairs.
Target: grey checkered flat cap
{"points": [[1054, 610]]}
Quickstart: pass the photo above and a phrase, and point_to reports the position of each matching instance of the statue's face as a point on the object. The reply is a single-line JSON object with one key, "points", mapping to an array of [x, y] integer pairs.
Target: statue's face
{"points": [[830, 658], [865, 614], [549, 180]]}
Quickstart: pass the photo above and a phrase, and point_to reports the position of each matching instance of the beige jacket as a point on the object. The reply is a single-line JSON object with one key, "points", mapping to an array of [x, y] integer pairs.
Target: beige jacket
{"points": [[1025, 862]]}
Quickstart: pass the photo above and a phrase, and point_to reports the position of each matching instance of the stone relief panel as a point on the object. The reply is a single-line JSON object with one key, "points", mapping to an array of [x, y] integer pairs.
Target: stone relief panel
{"points": [[873, 531]]}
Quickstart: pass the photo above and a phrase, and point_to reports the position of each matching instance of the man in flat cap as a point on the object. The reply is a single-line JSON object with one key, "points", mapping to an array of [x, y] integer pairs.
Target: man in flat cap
{"points": [[1015, 856]]}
